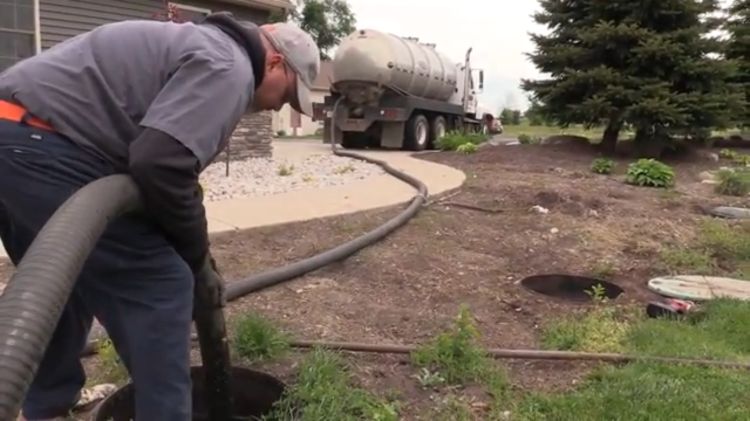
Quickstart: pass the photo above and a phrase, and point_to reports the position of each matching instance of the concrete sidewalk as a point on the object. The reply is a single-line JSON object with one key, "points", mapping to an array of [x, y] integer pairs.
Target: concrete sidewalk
{"points": [[359, 195]]}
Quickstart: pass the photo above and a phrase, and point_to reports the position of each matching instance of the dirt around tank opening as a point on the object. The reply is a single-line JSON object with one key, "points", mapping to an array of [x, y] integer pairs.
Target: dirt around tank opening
{"points": [[571, 287]]}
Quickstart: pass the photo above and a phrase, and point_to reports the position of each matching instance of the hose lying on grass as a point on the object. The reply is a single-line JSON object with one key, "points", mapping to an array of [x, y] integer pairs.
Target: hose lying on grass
{"points": [[524, 354]]}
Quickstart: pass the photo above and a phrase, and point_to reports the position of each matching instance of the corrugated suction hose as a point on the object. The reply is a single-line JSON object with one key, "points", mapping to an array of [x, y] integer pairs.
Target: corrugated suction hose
{"points": [[35, 296]]}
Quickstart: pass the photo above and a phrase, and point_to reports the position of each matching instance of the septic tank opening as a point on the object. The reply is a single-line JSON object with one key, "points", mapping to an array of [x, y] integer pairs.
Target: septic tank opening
{"points": [[570, 287]]}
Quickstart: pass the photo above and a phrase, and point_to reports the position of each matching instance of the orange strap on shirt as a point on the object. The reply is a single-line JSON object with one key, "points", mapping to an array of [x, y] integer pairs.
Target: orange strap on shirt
{"points": [[15, 112]]}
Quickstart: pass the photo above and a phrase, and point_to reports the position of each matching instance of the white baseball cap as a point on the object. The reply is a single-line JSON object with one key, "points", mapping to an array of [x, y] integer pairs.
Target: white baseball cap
{"points": [[302, 55]]}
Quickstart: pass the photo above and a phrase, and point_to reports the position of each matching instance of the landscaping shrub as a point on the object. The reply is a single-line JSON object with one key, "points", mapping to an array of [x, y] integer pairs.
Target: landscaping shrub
{"points": [[603, 166], [525, 139], [650, 173], [455, 139], [467, 148], [733, 182]]}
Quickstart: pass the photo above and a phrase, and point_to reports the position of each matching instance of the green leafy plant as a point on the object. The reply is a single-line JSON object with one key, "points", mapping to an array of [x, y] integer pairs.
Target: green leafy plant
{"points": [[597, 293], [650, 173], [733, 182], [525, 139], [257, 339], [467, 148], [456, 354], [454, 139], [603, 166]]}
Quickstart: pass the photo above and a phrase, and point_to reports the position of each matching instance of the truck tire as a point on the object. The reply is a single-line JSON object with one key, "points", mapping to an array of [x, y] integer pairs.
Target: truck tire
{"points": [[438, 128], [417, 133]]}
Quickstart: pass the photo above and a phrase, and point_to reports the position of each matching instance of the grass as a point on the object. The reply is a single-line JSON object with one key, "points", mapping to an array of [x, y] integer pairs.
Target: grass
{"points": [[455, 358], [325, 390], [719, 248], [649, 391], [600, 330], [545, 131], [257, 339]]}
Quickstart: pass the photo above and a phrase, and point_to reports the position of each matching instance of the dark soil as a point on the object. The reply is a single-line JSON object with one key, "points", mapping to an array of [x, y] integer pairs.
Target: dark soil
{"points": [[410, 286]]}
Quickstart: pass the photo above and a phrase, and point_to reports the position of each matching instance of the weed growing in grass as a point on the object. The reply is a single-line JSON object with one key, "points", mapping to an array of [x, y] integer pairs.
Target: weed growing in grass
{"points": [[455, 354], [456, 359], [257, 339], [325, 391]]}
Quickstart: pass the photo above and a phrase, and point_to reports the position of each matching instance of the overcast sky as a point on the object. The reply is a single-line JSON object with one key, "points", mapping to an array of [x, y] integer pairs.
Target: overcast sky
{"points": [[457, 25]]}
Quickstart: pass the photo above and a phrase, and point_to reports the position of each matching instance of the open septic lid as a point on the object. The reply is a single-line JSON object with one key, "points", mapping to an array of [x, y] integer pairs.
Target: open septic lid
{"points": [[698, 287]]}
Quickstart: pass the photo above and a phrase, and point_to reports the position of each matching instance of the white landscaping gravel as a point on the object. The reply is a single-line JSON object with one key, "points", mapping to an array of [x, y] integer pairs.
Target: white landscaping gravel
{"points": [[263, 176]]}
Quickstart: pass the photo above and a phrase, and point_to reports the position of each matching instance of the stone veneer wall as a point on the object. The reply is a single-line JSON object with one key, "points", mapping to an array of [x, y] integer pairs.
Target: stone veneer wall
{"points": [[251, 139]]}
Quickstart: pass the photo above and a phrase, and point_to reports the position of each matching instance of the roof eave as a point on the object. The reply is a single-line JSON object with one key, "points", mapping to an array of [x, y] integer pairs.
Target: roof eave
{"points": [[271, 5]]}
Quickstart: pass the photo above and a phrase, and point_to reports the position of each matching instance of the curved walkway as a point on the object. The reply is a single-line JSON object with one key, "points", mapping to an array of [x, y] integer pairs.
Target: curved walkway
{"points": [[301, 205]]}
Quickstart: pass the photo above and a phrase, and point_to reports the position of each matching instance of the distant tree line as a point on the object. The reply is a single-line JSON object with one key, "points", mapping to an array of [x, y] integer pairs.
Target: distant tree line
{"points": [[657, 68]]}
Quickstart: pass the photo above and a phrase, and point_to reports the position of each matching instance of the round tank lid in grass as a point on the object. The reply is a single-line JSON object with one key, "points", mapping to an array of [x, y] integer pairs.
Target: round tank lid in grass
{"points": [[571, 287], [699, 288]]}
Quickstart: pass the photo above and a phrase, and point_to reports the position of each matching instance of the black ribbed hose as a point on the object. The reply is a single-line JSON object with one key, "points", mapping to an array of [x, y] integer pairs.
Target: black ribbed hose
{"points": [[36, 294]]}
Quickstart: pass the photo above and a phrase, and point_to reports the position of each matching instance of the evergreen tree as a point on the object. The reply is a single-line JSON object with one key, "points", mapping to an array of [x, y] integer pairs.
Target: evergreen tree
{"points": [[738, 49], [647, 64]]}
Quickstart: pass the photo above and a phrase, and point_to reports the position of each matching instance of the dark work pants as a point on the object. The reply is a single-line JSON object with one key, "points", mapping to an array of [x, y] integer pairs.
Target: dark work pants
{"points": [[134, 282]]}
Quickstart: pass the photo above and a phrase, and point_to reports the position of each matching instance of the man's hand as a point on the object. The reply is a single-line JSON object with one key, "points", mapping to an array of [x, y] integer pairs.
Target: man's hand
{"points": [[209, 287]]}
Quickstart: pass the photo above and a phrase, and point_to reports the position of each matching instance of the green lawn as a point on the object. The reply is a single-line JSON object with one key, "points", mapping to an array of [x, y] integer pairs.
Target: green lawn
{"points": [[545, 131], [650, 391]]}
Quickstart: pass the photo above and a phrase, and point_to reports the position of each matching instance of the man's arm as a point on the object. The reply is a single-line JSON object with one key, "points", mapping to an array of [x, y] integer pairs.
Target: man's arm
{"points": [[184, 127], [167, 174]]}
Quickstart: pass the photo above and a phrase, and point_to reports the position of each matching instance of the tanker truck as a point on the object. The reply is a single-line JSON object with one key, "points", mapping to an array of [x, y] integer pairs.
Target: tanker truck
{"points": [[399, 93]]}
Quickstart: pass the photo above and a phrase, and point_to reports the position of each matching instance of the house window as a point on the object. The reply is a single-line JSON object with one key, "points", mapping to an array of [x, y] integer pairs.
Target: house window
{"points": [[17, 31], [184, 13]]}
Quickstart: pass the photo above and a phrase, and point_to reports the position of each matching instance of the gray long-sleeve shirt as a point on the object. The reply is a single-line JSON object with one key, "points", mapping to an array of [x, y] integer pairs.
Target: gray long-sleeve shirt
{"points": [[101, 88]]}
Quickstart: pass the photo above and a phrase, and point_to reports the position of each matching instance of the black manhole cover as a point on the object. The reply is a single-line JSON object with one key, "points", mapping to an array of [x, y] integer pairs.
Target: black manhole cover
{"points": [[571, 287]]}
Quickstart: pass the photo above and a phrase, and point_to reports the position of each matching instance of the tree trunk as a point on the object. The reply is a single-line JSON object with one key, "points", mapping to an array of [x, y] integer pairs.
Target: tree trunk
{"points": [[609, 139]]}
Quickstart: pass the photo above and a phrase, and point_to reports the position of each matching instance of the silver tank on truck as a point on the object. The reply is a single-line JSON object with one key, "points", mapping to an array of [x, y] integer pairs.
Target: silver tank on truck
{"points": [[367, 62]]}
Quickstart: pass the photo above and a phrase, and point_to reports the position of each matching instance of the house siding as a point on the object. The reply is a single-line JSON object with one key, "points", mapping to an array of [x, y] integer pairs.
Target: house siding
{"points": [[63, 19]]}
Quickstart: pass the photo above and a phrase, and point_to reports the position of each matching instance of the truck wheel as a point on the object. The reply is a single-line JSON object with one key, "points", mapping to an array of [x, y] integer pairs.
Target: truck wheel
{"points": [[417, 133], [438, 130]]}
